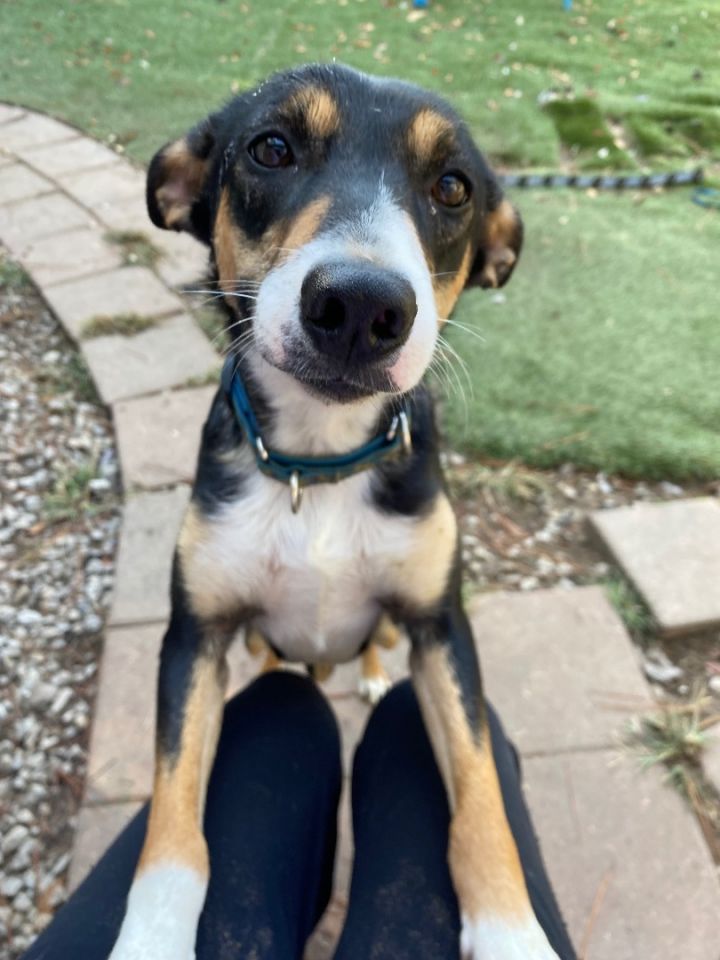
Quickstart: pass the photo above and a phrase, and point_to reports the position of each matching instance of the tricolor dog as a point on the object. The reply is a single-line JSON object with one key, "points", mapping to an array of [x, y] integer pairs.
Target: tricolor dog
{"points": [[345, 214]]}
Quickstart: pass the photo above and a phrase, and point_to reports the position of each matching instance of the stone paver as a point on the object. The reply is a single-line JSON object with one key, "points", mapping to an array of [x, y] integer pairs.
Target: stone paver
{"points": [[69, 256], [127, 290], [625, 855], [559, 667], [34, 129], [120, 766], [671, 552], [23, 222], [167, 355], [184, 262], [151, 523], [75, 156], [9, 113], [158, 437], [18, 182], [97, 828], [125, 214], [94, 188]]}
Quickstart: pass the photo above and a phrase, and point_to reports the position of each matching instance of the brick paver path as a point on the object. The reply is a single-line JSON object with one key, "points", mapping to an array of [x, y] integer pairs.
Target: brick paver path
{"points": [[631, 870]]}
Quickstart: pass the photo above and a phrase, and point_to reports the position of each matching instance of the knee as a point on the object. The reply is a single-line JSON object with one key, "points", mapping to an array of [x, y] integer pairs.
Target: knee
{"points": [[283, 704]]}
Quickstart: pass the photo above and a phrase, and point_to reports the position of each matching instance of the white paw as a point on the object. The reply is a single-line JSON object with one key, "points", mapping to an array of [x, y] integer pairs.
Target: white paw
{"points": [[163, 910], [373, 689], [490, 938]]}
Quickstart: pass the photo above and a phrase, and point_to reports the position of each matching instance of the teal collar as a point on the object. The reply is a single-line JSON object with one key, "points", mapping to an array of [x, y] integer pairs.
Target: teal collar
{"points": [[300, 472]]}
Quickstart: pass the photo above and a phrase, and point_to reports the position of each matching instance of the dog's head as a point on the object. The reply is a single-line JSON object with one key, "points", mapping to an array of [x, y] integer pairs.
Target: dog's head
{"points": [[355, 209]]}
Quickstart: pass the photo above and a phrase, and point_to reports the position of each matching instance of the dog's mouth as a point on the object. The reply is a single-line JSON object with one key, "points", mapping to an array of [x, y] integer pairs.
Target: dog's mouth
{"points": [[336, 386]]}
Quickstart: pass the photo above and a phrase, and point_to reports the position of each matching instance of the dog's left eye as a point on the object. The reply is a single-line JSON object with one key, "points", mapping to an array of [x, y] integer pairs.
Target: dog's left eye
{"points": [[451, 190], [271, 150]]}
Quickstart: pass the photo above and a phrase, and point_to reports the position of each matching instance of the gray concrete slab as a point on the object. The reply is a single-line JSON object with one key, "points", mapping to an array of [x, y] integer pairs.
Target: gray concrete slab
{"points": [[151, 523], [93, 188], [9, 112], [69, 255], [97, 828], [558, 665], [19, 182], [671, 552], [167, 355], [629, 867], [184, 261], [34, 129], [71, 157], [126, 290], [24, 222], [120, 762], [158, 437], [124, 214]]}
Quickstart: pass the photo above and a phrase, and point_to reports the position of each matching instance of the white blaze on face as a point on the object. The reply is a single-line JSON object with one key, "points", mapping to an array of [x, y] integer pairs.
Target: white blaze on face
{"points": [[383, 234]]}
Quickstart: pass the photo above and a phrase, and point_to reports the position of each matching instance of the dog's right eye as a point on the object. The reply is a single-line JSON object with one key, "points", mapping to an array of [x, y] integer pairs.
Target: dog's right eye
{"points": [[271, 150]]}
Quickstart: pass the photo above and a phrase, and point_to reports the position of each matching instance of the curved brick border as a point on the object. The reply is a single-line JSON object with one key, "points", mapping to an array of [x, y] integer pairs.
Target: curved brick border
{"points": [[620, 848]]}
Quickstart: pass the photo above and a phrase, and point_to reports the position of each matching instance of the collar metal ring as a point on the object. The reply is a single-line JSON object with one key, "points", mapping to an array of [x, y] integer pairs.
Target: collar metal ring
{"points": [[295, 491]]}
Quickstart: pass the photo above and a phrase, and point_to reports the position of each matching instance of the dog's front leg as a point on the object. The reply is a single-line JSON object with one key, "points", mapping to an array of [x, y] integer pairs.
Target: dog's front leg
{"points": [[168, 890], [498, 922]]}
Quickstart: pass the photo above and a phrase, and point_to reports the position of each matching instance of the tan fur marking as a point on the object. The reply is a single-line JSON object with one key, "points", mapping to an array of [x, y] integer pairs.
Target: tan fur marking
{"points": [[175, 824], [184, 178], [426, 128], [319, 109], [448, 289], [421, 576], [305, 226], [224, 244], [484, 862], [501, 228], [207, 590], [235, 252], [386, 634], [272, 662]]}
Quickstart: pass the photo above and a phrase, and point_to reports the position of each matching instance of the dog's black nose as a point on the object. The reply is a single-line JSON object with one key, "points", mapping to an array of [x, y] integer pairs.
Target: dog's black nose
{"points": [[356, 312]]}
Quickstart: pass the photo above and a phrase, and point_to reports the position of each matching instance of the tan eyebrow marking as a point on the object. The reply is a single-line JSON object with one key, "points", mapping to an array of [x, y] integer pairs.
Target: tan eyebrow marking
{"points": [[319, 110], [427, 128]]}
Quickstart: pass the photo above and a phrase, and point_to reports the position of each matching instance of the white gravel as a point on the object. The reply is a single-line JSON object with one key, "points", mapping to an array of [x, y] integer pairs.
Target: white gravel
{"points": [[59, 521]]}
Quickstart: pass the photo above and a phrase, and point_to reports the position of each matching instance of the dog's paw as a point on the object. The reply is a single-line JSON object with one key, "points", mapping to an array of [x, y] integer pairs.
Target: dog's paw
{"points": [[488, 938], [163, 910], [374, 688]]}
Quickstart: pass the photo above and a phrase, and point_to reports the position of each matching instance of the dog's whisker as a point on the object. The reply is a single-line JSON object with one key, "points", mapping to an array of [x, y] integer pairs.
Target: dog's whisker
{"points": [[218, 294], [460, 362], [216, 340], [236, 283], [465, 328]]}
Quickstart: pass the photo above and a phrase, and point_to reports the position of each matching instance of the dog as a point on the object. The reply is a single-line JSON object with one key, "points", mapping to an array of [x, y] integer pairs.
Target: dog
{"points": [[344, 214]]}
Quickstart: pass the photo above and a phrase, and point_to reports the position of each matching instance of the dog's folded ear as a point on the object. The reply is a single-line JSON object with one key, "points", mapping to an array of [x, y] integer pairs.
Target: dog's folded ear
{"points": [[500, 242], [177, 180]]}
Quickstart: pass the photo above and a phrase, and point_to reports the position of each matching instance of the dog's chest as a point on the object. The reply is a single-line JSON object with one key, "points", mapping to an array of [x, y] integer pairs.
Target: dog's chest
{"points": [[316, 576]]}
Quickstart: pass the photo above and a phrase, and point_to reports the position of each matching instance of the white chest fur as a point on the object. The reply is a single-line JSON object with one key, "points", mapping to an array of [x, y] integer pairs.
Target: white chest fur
{"points": [[317, 576]]}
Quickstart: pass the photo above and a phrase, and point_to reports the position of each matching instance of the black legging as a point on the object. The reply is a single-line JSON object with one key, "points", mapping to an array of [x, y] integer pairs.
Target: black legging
{"points": [[270, 825]]}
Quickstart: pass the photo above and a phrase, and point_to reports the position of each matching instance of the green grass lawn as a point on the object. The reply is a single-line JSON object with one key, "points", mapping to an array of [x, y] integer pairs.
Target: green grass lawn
{"points": [[606, 349]]}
